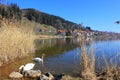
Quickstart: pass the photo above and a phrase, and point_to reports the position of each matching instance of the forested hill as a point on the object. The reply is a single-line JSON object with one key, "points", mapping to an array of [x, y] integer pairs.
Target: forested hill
{"points": [[48, 19], [11, 10]]}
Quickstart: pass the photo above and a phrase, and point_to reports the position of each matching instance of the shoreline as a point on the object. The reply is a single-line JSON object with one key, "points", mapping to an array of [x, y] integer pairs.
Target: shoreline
{"points": [[51, 36]]}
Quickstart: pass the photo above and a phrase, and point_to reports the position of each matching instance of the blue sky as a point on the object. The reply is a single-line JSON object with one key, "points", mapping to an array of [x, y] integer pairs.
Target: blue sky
{"points": [[98, 14]]}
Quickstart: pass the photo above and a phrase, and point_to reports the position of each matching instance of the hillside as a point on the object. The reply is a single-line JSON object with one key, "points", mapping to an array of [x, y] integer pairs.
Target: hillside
{"points": [[37, 16], [48, 19]]}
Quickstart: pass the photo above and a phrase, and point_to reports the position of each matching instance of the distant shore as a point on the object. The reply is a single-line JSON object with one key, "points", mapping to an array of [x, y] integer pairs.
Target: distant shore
{"points": [[51, 36]]}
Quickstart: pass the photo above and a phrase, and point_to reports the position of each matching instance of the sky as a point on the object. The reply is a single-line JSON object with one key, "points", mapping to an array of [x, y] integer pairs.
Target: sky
{"points": [[98, 14]]}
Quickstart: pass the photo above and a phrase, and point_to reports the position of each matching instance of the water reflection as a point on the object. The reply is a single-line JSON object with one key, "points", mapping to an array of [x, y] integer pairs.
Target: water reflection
{"points": [[62, 63], [57, 46], [63, 55]]}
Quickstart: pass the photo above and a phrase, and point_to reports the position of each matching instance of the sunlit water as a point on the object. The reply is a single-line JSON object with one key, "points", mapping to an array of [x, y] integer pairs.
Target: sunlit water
{"points": [[63, 56]]}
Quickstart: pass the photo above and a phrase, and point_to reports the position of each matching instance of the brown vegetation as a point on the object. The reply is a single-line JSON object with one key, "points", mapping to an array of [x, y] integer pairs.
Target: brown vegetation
{"points": [[87, 64], [111, 71], [15, 41]]}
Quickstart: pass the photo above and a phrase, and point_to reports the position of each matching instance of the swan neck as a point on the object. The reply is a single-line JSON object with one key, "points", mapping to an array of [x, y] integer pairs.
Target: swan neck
{"points": [[42, 57], [21, 70]]}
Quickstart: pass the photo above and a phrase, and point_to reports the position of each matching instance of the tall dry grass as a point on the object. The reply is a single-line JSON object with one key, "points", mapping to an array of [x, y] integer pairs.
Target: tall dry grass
{"points": [[87, 62], [15, 41], [111, 71]]}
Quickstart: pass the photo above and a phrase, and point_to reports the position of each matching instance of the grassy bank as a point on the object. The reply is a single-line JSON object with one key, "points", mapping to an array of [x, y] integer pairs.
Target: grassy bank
{"points": [[15, 41]]}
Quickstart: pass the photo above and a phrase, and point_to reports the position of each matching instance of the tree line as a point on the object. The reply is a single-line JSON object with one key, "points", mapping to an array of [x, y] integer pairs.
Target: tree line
{"points": [[12, 11]]}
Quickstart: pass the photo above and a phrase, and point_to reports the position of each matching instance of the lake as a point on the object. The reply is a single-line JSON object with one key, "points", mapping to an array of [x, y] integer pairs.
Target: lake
{"points": [[63, 56]]}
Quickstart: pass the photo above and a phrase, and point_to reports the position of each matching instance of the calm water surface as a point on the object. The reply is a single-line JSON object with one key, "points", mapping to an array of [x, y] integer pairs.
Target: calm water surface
{"points": [[63, 56]]}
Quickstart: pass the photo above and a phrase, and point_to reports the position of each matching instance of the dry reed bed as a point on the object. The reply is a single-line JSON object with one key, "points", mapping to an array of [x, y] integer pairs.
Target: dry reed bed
{"points": [[87, 66], [15, 42]]}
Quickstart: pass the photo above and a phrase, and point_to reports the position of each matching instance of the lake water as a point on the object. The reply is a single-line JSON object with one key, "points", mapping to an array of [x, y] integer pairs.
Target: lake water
{"points": [[63, 56]]}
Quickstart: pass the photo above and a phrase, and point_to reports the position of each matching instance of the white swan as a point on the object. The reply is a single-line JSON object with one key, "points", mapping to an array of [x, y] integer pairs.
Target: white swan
{"points": [[37, 59], [27, 67]]}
